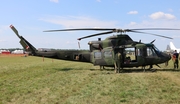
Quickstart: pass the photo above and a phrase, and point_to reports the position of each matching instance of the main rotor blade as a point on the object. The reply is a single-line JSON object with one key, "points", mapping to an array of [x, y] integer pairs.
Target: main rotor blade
{"points": [[98, 29], [106, 29], [155, 29], [96, 35], [151, 34], [111, 30]]}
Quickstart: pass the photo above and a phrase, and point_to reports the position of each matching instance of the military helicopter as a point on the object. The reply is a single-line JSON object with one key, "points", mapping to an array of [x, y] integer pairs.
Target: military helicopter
{"points": [[111, 52]]}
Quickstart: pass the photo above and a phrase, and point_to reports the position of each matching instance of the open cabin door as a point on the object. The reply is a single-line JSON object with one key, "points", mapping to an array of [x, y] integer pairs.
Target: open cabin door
{"points": [[131, 56], [134, 56]]}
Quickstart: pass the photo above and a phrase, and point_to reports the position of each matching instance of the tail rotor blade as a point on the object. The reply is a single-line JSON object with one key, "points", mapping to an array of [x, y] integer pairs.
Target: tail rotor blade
{"points": [[15, 31]]}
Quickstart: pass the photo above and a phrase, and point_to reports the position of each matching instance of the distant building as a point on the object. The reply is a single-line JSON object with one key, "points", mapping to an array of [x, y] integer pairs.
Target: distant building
{"points": [[5, 52], [18, 52]]}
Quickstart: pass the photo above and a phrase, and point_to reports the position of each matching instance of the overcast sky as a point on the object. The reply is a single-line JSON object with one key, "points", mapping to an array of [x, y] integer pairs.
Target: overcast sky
{"points": [[32, 17]]}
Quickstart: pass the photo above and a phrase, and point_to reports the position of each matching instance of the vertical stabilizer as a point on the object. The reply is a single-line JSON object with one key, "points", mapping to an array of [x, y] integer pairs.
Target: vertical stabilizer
{"points": [[25, 44], [172, 47]]}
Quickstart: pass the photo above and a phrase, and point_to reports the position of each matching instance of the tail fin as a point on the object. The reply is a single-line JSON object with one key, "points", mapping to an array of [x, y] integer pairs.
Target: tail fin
{"points": [[172, 47], [26, 45]]}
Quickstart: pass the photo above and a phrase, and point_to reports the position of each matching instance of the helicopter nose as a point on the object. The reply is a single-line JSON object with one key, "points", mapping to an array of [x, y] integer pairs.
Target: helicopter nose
{"points": [[167, 56]]}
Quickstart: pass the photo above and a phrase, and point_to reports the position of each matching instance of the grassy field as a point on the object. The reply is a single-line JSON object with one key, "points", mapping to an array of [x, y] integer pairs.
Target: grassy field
{"points": [[30, 80]]}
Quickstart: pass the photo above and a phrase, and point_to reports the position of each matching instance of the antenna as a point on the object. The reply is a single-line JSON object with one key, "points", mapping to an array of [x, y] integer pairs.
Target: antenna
{"points": [[79, 45]]}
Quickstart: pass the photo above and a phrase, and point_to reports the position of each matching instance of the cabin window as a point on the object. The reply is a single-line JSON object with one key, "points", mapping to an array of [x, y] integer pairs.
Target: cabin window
{"points": [[77, 56], [97, 55], [107, 54]]}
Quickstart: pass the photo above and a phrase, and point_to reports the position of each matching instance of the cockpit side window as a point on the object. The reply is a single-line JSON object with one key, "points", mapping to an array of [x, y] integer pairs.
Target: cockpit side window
{"points": [[140, 52]]}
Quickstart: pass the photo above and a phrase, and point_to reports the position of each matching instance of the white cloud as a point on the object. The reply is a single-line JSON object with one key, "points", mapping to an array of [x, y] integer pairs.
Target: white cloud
{"points": [[161, 15], [133, 12], [78, 21], [55, 1]]}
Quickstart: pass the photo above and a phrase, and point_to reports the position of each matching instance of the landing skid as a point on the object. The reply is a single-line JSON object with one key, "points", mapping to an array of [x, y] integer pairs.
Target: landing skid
{"points": [[149, 69]]}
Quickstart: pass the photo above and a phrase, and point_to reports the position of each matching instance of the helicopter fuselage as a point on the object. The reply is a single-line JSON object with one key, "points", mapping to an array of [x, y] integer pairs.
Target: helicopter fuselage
{"points": [[104, 53]]}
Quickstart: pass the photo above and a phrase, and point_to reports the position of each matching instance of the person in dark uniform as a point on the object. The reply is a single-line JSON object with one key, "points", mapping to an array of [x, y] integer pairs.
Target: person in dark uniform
{"points": [[176, 59]]}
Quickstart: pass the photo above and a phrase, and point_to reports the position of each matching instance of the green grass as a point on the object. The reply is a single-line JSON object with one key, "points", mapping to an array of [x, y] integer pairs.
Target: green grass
{"points": [[30, 80]]}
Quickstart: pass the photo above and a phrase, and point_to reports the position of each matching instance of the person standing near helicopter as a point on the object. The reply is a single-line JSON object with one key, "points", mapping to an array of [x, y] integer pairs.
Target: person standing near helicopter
{"points": [[117, 62], [176, 59], [119, 59]]}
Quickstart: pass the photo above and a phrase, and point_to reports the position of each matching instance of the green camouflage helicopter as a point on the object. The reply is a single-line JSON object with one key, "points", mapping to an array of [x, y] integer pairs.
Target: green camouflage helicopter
{"points": [[118, 51]]}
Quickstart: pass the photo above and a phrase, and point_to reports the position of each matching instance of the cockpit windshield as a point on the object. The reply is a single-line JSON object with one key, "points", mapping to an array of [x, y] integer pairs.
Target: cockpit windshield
{"points": [[156, 49], [151, 51]]}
